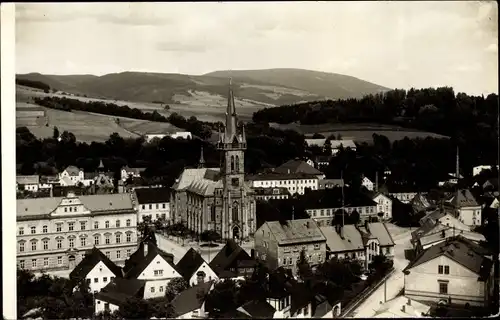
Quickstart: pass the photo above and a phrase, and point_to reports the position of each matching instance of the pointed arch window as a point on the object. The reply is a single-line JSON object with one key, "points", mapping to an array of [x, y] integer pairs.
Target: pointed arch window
{"points": [[232, 163], [237, 164], [235, 212]]}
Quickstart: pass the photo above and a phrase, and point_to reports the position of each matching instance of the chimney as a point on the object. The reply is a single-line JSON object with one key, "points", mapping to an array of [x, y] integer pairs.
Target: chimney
{"points": [[145, 248], [403, 309], [409, 302]]}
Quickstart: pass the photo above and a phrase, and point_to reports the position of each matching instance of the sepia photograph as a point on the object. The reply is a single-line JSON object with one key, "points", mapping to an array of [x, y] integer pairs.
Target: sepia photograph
{"points": [[203, 160]]}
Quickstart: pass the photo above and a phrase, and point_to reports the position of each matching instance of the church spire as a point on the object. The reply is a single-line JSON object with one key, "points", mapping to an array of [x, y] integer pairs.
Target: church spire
{"points": [[201, 164], [230, 130]]}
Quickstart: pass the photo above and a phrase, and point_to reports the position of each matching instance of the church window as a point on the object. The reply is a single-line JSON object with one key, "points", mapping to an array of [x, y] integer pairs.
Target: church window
{"points": [[235, 211], [212, 213], [237, 164], [232, 163]]}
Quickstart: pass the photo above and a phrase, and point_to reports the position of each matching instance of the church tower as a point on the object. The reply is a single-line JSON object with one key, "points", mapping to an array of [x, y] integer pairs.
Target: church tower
{"points": [[238, 209]]}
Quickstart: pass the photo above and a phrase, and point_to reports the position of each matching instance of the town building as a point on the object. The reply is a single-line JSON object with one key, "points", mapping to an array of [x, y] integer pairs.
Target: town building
{"points": [[456, 272], [323, 161], [190, 303], [28, 183], [271, 193], [279, 243], [323, 307], [127, 172], [384, 205], [322, 205], [154, 202], [298, 166], [153, 266], [367, 183], [54, 233], [477, 169], [295, 183], [193, 268], [337, 145], [403, 193], [330, 183], [116, 293], [420, 203], [96, 269], [402, 307], [467, 208], [444, 217], [218, 198], [232, 262]]}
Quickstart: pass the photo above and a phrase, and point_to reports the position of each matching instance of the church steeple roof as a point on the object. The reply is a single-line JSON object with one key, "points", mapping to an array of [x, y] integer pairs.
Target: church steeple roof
{"points": [[231, 121], [201, 164]]}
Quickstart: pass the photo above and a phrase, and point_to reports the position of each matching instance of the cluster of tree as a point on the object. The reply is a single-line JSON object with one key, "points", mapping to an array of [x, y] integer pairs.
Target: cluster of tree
{"points": [[52, 297], [192, 124], [33, 84]]}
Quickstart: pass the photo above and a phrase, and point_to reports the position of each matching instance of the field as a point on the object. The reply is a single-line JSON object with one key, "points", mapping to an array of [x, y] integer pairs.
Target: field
{"points": [[359, 132]]}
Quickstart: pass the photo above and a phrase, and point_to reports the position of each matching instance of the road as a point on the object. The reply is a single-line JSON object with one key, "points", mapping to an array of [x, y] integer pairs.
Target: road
{"points": [[394, 284]]}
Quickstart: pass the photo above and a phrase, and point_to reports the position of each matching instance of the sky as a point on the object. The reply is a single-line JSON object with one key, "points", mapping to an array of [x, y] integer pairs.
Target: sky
{"points": [[393, 44]]}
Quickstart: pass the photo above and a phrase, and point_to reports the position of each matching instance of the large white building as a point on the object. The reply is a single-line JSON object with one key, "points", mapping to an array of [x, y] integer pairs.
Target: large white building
{"points": [[54, 233], [154, 202], [296, 183], [467, 208]]}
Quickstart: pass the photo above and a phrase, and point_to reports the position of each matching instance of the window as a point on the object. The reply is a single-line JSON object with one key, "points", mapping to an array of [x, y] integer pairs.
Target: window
{"points": [[71, 242], [45, 244], [117, 223], [161, 288], [59, 243], [45, 229], [83, 225], [443, 287], [33, 230], [65, 209], [316, 246], [320, 258], [157, 206], [96, 240], [150, 206], [446, 269], [83, 242], [118, 238], [129, 237], [118, 254], [128, 223], [58, 227], [111, 278], [21, 231], [33, 246], [106, 240], [143, 207], [96, 280], [21, 247], [107, 254], [387, 250], [158, 273], [33, 263], [71, 226], [128, 252], [152, 289], [59, 260], [322, 212], [96, 224], [21, 264], [45, 262], [440, 269], [163, 206], [105, 279], [106, 224]]}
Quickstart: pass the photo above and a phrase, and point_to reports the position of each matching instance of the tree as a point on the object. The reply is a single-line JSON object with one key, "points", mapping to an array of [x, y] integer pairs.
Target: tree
{"points": [[210, 236], [174, 287], [303, 268], [55, 135], [354, 217], [222, 298], [135, 308]]}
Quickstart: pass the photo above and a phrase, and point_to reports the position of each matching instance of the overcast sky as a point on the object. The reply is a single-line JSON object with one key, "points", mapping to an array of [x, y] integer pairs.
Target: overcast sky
{"points": [[394, 44]]}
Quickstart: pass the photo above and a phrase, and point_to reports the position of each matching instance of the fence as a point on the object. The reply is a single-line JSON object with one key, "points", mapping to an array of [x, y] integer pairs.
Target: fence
{"points": [[352, 305]]}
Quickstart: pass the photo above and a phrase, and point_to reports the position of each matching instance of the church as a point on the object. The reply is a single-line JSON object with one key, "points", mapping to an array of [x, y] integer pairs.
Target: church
{"points": [[218, 199]]}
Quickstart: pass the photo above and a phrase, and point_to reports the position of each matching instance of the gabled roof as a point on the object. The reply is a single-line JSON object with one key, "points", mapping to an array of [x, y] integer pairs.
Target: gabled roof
{"points": [[191, 298], [34, 179], [420, 202], [119, 290], [152, 195], [295, 231], [229, 254], [297, 166], [436, 234], [258, 309], [463, 198], [72, 170], [189, 263], [379, 230], [139, 261], [351, 241], [91, 259], [188, 176], [460, 250]]}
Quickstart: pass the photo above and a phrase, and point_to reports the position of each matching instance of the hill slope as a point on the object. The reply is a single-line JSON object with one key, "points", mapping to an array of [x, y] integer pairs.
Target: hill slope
{"points": [[255, 87]]}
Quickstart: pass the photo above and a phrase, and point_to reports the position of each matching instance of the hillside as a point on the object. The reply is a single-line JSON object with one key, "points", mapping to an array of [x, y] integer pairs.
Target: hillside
{"points": [[255, 89]]}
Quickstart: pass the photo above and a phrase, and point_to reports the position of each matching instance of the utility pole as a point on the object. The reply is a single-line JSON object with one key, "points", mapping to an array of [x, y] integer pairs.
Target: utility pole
{"points": [[385, 291], [342, 178]]}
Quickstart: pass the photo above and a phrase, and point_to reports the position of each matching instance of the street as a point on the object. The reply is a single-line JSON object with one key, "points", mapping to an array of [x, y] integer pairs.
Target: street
{"points": [[395, 283]]}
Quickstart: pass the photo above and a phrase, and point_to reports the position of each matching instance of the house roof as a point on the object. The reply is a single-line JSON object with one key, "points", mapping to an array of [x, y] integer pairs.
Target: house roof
{"points": [[152, 195], [420, 202], [460, 250], [281, 176], [351, 240], [297, 166], [191, 298], [91, 259], [139, 261], [72, 170], [133, 170], [188, 176], [491, 183], [258, 309], [189, 263], [344, 143], [33, 179], [315, 142], [436, 234], [295, 231], [204, 186], [379, 230], [120, 289], [229, 254], [463, 198], [393, 308]]}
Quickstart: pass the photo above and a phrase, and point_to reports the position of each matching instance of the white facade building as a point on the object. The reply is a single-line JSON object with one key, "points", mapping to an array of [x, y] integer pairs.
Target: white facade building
{"points": [[384, 204], [294, 182]]}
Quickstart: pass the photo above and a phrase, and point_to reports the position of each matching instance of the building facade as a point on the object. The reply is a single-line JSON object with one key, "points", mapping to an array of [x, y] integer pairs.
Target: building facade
{"points": [[296, 183], [154, 202], [219, 198], [54, 233], [384, 205]]}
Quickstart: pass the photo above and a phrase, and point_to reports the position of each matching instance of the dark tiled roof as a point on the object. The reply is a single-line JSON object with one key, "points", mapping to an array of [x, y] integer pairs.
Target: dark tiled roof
{"points": [[191, 298], [259, 309], [152, 195], [119, 290], [295, 231], [297, 166], [463, 198], [138, 261], [92, 258], [229, 255], [281, 176], [189, 263], [460, 250]]}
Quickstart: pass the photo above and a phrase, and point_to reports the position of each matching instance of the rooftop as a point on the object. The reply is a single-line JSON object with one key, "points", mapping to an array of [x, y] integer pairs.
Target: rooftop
{"points": [[230, 254], [258, 309], [152, 195], [119, 290], [91, 259], [139, 261], [189, 263], [463, 198], [34, 179], [188, 176], [191, 298], [350, 241], [297, 166], [295, 231], [281, 176]]}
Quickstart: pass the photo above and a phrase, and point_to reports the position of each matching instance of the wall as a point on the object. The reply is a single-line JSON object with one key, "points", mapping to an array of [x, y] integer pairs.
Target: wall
{"points": [[463, 287], [282, 307], [384, 205], [325, 215], [100, 306], [470, 216], [103, 276], [209, 274], [293, 185], [156, 210], [316, 253], [266, 247], [158, 282]]}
